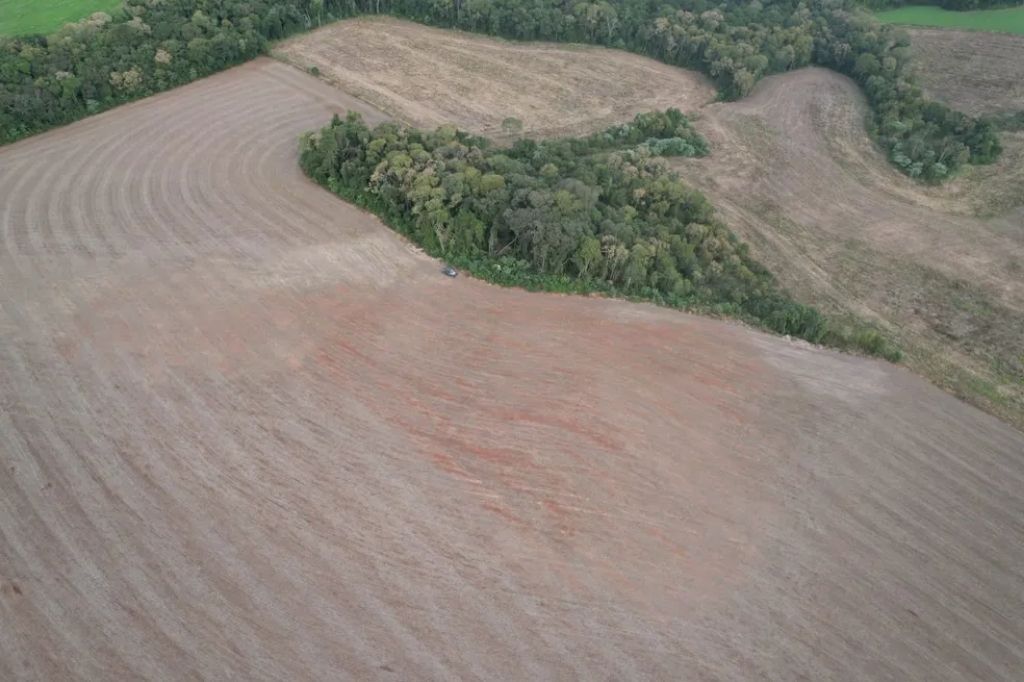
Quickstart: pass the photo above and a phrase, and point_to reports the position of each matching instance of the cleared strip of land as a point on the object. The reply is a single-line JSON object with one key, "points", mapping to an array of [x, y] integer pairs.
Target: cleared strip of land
{"points": [[249, 433]]}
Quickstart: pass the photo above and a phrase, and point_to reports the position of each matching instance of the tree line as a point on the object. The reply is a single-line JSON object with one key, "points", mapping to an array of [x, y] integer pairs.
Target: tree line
{"points": [[152, 45], [597, 213]]}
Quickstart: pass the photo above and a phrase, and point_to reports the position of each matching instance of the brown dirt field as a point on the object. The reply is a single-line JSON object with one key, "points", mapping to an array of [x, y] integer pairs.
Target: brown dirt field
{"points": [[978, 73], [793, 171], [429, 77], [249, 433]]}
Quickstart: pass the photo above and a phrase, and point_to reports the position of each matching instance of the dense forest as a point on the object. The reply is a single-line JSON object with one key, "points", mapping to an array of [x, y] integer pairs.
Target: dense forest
{"points": [[599, 213], [156, 44]]}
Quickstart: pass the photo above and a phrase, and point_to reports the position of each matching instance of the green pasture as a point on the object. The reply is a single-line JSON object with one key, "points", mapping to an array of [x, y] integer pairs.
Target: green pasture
{"points": [[22, 17], [1009, 20]]}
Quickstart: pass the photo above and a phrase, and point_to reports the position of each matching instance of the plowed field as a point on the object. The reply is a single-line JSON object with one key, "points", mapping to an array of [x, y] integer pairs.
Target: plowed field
{"points": [[246, 432]]}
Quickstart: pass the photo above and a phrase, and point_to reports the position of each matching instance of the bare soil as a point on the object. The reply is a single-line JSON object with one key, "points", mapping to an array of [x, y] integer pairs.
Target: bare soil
{"points": [[247, 432], [430, 77]]}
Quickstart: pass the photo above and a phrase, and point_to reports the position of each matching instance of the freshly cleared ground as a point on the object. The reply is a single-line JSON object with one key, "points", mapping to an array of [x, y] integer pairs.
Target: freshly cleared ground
{"points": [[429, 77], [1006, 20], [24, 17], [249, 433]]}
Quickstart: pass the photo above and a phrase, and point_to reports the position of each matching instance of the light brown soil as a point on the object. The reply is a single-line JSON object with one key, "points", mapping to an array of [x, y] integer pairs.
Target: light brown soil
{"points": [[246, 432], [794, 172], [978, 73], [429, 77]]}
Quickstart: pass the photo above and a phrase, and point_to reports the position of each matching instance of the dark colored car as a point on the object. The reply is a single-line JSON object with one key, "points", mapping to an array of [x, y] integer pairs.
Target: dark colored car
{"points": [[450, 271]]}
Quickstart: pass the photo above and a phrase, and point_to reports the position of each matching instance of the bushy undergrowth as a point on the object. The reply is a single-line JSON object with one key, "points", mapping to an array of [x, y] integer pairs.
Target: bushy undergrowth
{"points": [[600, 213]]}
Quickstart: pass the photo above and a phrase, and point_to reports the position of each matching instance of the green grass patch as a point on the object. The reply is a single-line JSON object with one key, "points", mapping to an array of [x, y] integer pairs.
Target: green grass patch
{"points": [[24, 17], [1008, 20]]}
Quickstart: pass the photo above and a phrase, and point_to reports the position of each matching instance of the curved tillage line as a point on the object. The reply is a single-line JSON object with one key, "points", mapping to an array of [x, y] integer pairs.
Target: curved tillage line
{"points": [[277, 227], [185, 192], [66, 214], [12, 223], [111, 232], [30, 239]]}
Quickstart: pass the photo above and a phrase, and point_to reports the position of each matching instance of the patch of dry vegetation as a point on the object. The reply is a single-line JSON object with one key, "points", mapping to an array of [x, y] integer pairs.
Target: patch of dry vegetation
{"points": [[429, 77], [976, 73]]}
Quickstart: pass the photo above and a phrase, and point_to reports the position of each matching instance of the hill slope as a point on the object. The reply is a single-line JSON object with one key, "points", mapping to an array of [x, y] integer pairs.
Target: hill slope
{"points": [[248, 432], [793, 172]]}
